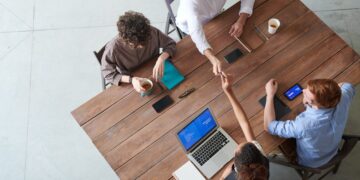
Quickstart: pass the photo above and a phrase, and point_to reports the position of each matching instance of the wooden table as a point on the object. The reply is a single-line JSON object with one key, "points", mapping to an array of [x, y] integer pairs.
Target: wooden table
{"points": [[140, 143]]}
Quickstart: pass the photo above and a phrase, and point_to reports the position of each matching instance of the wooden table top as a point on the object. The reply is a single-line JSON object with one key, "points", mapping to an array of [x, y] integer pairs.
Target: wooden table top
{"points": [[140, 143]]}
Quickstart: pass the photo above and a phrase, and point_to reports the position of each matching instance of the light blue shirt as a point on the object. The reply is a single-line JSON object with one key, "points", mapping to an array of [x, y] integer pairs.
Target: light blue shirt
{"points": [[318, 132]]}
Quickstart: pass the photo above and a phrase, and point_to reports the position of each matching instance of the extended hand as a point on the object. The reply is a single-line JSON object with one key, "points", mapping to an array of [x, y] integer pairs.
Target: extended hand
{"points": [[236, 29], [271, 87], [217, 67], [158, 70], [136, 82], [226, 81]]}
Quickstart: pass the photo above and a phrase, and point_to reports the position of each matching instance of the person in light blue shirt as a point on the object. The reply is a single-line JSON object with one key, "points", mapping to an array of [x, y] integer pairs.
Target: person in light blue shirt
{"points": [[317, 130]]}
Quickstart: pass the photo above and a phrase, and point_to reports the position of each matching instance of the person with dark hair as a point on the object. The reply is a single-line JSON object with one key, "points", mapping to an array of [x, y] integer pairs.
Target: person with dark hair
{"points": [[250, 162], [317, 130], [136, 43]]}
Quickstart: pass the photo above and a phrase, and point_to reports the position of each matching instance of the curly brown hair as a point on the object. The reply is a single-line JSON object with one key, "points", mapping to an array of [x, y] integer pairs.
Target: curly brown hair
{"points": [[134, 28]]}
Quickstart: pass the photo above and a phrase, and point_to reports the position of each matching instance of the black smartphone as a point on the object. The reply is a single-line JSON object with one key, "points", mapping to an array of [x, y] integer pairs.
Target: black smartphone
{"points": [[233, 56], [293, 92], [281, 109], [163, 103]]}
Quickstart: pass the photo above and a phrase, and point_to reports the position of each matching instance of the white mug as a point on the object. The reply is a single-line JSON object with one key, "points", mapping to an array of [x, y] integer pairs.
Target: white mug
{"points": [[273, 25]]}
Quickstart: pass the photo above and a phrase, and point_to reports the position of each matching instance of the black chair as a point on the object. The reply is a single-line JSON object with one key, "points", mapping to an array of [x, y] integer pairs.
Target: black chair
{"points": [[170, 21], [349, 142], [98, 56]]}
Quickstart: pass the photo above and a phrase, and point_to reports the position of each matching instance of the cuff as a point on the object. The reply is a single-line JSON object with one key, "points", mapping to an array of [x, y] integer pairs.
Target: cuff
{"points": [[271, 127], [246, 10], [204, 47], [117, 80]]}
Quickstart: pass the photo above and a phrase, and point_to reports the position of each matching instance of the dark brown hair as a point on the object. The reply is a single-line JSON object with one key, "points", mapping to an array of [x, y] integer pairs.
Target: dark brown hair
{"points": [[134, 28], [327, 92], [251, 164]]}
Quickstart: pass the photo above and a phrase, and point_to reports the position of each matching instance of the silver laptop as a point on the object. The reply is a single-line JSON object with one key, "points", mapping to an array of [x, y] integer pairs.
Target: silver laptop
{"points": [[206, 144]]}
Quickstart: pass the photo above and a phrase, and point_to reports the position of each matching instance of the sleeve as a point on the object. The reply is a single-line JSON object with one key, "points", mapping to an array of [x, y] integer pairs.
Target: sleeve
{"points": [[247, 6], [348, 92], [108, 68], [286, 129], [196, 28], [165, 42]]}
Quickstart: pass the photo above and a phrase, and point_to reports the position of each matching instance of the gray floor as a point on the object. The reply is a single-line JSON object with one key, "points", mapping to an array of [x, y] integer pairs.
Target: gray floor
{"points": [[47, 69]]}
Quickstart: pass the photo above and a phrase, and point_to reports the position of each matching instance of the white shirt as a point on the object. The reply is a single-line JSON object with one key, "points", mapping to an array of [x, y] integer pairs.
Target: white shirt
{"points": [[193, 14]]}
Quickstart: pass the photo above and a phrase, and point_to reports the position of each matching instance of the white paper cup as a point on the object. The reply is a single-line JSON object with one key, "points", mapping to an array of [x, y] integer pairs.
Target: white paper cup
{"points": [[273, 25]]}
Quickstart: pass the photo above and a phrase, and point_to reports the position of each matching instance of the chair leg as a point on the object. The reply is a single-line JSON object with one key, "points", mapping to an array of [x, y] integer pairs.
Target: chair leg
{"points": [[167, 25], [180, 34], [336, 168], [103, 83], [305, 175]]}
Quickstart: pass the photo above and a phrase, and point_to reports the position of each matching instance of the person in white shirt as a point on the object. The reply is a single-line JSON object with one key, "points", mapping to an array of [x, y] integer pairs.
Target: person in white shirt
{"points": [[193, 14]]}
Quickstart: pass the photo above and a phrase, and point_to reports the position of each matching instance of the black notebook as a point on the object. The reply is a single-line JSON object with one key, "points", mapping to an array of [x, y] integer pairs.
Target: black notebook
{"points": [[281, 109]]}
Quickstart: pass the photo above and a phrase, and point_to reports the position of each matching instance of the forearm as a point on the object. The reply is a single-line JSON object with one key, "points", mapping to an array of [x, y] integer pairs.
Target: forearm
{"points": [[242, 19], [210, 55], [269, 112], [240, 116], [164, 56]]}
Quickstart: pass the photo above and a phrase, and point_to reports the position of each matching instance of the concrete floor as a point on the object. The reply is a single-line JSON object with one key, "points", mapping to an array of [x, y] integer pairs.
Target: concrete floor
{"points": [[47, 69]]}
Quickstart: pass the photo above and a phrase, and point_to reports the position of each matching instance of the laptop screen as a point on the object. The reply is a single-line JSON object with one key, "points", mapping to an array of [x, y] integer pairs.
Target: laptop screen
{"points": [[197, 129]]}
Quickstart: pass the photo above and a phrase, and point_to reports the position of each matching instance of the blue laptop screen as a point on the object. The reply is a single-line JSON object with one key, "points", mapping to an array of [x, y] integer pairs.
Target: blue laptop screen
{"points": [[197, 129]]}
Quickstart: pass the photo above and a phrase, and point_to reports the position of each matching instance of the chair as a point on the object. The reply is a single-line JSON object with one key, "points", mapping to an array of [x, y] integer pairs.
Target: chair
{"points": [[349, 142], [98, 56], [170, 21]]}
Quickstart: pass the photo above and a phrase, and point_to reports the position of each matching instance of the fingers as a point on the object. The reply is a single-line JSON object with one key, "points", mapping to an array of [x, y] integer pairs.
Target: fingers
{"points": [[154, 73], [232, 29]]}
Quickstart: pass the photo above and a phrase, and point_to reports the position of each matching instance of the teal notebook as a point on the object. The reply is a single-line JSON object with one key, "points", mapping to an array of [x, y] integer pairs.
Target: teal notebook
{"points": [[172, 76]]}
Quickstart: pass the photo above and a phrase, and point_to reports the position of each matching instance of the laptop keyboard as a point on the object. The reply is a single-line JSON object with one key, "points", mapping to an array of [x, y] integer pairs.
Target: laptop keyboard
{"points": [[210, 148]]}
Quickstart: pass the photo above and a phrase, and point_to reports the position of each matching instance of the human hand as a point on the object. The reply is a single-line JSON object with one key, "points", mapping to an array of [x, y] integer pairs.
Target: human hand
{"points": [[136, 82], [236, 29], [158, 70], [217, 67], [271, 87], [226, 81]]}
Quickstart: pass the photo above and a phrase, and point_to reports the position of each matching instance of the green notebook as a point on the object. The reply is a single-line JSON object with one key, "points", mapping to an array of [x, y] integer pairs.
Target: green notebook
{"points": [[172, 76]]}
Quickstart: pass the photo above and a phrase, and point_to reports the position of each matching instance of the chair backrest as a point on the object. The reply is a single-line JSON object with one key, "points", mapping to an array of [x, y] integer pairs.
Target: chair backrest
{"points": [[171, 12], [99, 54], [349, 143]]}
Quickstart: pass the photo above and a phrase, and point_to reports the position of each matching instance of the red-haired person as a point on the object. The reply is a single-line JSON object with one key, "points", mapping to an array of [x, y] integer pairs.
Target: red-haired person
{"points": [[317, 130]]}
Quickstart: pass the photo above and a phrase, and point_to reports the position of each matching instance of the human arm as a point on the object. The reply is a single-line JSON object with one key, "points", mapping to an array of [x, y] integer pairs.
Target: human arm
{"points": [[196, 32], [246, 10], [169, 48], [238, 110], [111, 73], [217, 67], [269, 111], [227, 171]]}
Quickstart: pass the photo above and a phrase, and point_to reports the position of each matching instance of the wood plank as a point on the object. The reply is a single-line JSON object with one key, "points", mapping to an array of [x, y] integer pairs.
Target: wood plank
{"points": [[351, 74], [295, 9]]}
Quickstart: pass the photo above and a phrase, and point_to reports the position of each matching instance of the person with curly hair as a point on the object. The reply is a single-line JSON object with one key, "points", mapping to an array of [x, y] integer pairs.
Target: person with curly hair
{"points": [[136, 43], [250, 162], [193, 14], [318, 130]]}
